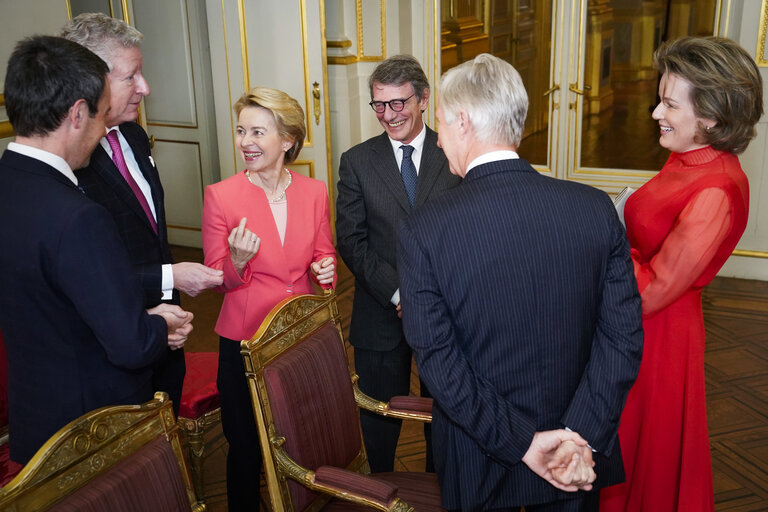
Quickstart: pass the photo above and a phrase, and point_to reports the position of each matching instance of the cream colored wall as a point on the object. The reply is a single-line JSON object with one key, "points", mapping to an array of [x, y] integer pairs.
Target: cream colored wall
{"points": [[740, 20], [19, 20]]}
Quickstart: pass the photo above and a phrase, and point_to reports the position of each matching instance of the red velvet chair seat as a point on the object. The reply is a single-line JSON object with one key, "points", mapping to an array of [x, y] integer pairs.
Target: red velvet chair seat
{"points": [[199, 394]]}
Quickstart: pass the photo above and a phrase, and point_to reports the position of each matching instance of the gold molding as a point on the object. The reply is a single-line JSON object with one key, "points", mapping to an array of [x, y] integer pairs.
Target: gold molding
{"points": [[309, 143], [6, 130], [761, 35], [327, 104], [69, 10], [342, 61], [344, 43], [229, 86], [750, 254], [308, 163], [243, 44]]}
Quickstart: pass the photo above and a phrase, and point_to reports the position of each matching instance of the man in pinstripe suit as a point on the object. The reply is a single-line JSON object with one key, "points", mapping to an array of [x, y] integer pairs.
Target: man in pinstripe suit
{"points": [[520, 304], [375, 194]]}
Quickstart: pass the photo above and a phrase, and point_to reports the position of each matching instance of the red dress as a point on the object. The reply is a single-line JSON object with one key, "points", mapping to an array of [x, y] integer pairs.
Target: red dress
{"points": [[682, 226]]}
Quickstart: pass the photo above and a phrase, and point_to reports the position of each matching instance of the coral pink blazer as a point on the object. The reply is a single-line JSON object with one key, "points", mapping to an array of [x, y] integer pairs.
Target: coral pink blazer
{"points": [[277, 271]]}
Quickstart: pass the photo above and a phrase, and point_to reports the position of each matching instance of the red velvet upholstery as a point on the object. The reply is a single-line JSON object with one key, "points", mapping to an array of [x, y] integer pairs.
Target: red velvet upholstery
{"points": [[360, 484], [199, 394], [313, 406], [411, 403], [8, 468], [153, 471], [3, 384], [418, 490]]}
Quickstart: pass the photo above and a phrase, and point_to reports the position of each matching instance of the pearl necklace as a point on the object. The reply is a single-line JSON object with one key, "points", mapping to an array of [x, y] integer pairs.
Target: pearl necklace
{"points": [[282, 194]]}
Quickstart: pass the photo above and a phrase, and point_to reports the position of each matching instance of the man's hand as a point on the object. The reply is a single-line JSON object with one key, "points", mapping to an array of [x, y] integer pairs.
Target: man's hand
{"points": [[179, 323], [193, 278], [562, 458], [323, 270], [579, 470]]}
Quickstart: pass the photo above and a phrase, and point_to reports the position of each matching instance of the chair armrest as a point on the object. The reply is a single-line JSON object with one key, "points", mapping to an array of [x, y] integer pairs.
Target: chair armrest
{"points": [[361, 486], [402, 407]]}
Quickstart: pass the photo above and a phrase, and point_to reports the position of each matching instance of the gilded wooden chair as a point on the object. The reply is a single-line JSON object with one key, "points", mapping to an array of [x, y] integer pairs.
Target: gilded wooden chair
{"points": [[200, 414], [306, 401], [118, 459]]}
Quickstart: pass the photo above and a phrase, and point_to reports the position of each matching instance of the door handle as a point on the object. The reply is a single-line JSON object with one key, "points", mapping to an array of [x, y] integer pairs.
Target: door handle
{"points": [[316, 101], [551, 90], [151, 142], [578, 91]]}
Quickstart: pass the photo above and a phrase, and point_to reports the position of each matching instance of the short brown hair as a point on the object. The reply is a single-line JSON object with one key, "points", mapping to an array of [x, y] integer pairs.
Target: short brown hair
{"points": [[725, 86], [288, 114]]}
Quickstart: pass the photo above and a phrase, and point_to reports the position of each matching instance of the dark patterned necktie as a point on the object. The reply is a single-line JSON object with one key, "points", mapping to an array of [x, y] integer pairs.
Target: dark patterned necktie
{"points": [[408, 172], [119, 160]]}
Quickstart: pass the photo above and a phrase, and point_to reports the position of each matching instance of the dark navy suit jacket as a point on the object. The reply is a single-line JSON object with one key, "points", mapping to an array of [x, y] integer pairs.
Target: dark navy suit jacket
{"points": [[520, 303], [103, 183], [71, 309]]}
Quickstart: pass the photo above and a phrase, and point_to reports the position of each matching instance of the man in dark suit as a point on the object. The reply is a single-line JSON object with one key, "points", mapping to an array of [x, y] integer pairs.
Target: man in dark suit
{"points": [[133, 194], [71, 309], [374, 196], [520, 303]]}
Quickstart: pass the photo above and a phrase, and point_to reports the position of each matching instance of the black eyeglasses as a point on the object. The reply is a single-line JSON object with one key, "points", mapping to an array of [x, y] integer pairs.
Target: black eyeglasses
{"points": [[396, 105]]}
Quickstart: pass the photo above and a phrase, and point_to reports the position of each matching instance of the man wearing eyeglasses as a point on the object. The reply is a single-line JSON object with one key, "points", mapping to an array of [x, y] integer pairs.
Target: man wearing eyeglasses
{"points": [[381, 181]]}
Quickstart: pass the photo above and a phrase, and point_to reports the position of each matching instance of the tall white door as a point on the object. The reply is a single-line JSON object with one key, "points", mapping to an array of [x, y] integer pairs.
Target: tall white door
{"points": [[179, 112], [272, 44]]}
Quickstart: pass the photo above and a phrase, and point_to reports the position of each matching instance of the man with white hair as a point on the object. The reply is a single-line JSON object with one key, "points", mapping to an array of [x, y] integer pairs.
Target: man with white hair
{"points": [[123, 178], [520, 304]]}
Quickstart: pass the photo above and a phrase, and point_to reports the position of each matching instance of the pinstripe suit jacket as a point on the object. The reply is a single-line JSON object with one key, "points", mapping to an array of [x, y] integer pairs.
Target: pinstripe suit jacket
{"points": [[520, 303], [103, 183], [371, 203]]}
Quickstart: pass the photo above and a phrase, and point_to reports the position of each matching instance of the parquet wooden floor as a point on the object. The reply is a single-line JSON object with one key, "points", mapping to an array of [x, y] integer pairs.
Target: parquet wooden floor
{"points": [[736, 359]]}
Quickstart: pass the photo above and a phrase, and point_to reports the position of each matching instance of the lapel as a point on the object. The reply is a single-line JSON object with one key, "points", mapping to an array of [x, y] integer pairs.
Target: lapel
{"points": [[106, 168], [385, 167], [432, 162]]}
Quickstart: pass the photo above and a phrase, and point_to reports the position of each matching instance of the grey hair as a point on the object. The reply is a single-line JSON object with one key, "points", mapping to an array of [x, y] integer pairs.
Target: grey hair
{"points": [[492, 93], [101, 34], [399, 70]]}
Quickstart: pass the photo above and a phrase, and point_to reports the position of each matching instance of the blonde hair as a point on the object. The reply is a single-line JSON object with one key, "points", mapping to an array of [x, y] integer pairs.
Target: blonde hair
{"points": [[288, 114]]}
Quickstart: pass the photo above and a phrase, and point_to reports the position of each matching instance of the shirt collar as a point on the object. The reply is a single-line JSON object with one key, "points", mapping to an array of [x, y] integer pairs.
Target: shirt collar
{"points": [[417, 143], [47, 157], [493, 156]]}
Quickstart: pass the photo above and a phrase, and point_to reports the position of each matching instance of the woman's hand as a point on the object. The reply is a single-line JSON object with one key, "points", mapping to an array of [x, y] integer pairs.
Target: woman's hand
{"points": [[243, 245], [323, 270]]}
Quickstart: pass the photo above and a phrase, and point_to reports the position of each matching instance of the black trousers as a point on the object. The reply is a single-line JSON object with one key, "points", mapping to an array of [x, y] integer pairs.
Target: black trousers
{"points": [[239, 426], [168, 376], [384, 374]]}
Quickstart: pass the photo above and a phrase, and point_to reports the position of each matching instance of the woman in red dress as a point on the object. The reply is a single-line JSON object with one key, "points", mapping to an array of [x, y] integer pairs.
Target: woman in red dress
{"points": [[682, 226]]}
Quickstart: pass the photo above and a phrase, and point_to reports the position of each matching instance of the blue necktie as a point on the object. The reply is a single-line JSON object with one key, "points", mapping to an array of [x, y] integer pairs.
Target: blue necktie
{"points": [[408, 171]]}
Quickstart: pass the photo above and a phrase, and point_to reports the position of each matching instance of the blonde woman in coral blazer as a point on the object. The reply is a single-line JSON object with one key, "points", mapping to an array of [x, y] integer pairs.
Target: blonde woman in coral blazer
{"points": [[269, 230]]}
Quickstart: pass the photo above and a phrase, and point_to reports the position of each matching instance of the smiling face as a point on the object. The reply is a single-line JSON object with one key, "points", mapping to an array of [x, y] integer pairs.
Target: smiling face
{"points": [[677, 119], [405, 125], [127, 84], [258, 140]]}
